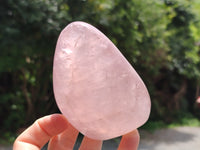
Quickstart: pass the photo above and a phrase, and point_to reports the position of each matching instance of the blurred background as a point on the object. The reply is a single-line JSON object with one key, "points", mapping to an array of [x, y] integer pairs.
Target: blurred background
{"points": [[160, 38]]}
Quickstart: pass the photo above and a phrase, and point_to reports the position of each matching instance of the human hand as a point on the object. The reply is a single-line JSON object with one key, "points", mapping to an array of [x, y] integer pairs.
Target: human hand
{"points": [[62, 136]]}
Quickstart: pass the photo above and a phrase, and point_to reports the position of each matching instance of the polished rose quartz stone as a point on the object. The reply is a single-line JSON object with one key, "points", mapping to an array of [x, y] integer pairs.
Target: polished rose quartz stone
{"points": [[95, 87]]}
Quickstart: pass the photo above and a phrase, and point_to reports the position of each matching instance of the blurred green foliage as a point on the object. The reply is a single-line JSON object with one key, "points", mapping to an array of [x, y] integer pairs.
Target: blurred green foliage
{"points": [[183, 119], [160, 38]]}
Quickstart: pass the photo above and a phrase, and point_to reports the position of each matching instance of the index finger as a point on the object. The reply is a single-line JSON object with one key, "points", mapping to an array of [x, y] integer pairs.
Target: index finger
{"points": [[130, 141], [38, 134]]}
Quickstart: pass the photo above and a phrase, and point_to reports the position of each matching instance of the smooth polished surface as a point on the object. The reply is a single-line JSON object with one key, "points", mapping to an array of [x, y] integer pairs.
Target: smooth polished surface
{"points": [[95, 87]]}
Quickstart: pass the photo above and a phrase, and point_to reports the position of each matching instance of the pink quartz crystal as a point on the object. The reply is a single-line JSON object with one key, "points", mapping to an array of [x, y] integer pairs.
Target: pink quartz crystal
{"points": [[95, 87]]}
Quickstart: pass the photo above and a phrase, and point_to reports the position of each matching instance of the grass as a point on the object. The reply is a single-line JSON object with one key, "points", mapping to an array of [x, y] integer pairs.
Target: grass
{"points": [[183, 120], [192, 122]]}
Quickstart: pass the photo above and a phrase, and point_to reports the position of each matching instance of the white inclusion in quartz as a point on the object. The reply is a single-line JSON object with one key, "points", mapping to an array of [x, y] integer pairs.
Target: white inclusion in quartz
{"points": [[66, 50]]}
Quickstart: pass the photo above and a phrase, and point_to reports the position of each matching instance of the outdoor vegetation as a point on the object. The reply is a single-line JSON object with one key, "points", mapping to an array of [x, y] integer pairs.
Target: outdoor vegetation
{"points": [[160, 39]]}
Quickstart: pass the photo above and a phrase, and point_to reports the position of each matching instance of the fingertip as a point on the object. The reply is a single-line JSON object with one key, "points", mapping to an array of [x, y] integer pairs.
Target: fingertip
{"points": [[53, 124], [133, 134], [90, 144], [41, 131], [130, 141], [64, 140]]}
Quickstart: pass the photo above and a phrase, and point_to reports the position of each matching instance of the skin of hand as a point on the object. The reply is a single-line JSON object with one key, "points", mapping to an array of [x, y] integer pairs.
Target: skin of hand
{"points": [[62, 136]]}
